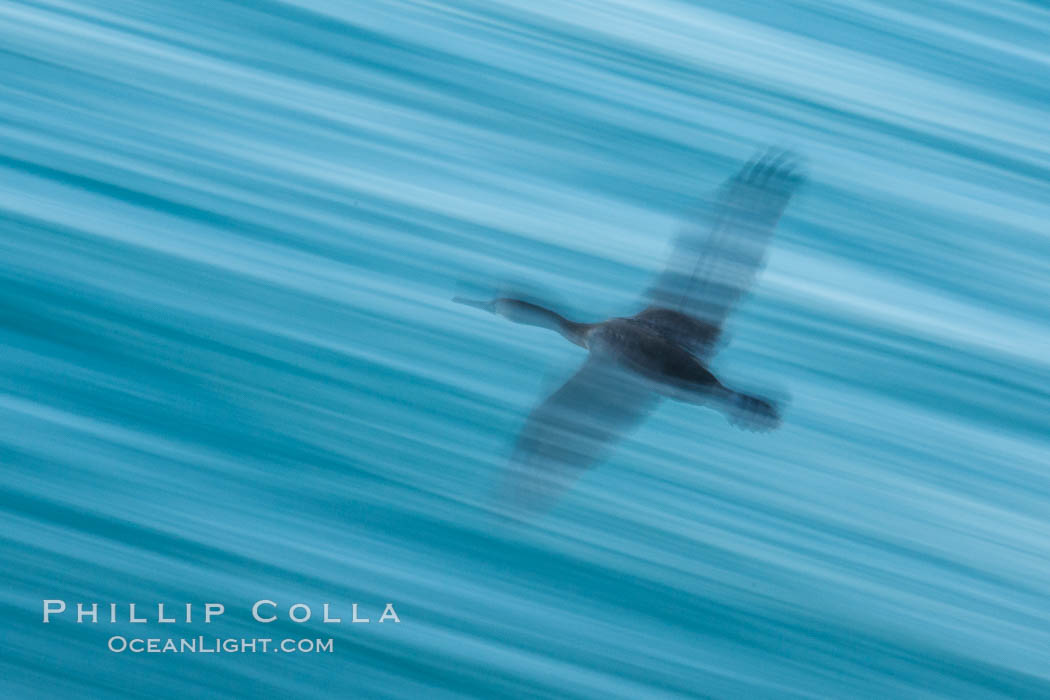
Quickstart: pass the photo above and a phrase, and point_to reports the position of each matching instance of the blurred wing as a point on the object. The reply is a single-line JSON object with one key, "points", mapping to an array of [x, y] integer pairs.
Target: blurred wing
{"points": [[712, 267], [573, 429]]}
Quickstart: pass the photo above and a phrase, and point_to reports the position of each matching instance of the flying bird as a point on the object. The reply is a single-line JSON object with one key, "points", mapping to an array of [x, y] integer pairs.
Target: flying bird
{"points": [[663, 351]]}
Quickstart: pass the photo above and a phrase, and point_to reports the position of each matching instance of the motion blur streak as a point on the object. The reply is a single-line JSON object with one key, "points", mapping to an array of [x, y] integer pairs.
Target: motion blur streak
{"points": [[231, 232]]}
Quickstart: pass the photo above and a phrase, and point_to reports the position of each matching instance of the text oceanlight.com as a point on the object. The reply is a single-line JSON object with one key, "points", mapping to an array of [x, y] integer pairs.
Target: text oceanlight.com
{"points": [[216, 645]]}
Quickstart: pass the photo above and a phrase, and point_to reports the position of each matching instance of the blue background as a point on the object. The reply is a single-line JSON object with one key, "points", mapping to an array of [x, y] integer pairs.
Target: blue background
{"points": [[231, 369]]}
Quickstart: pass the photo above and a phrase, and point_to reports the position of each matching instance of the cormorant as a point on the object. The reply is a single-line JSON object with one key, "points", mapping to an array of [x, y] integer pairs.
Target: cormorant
{"points": [[663, 351]]}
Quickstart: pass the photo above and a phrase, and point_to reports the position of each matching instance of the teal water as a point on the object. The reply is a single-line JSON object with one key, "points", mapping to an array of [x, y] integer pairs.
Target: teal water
{"points": [[231, 368]]}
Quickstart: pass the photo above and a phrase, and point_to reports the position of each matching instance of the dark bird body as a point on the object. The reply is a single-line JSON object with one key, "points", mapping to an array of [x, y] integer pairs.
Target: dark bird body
{"points": [[661, 352]]}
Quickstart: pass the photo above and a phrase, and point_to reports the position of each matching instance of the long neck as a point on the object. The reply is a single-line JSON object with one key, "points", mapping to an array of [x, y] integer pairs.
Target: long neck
{"points": [[533, 315]]}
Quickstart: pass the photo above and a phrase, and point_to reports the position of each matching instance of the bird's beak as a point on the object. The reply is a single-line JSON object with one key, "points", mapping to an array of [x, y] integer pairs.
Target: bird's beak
{"points": [[483, 305]]}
